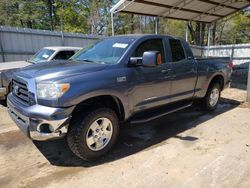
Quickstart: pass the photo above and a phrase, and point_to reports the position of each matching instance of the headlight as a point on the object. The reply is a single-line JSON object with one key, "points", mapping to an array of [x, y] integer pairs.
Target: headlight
{"points": [[51, 90]]}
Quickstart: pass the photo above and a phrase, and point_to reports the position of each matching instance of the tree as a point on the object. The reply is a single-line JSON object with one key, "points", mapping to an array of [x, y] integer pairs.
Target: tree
{"points": [[9, 13], [240, 32], [233, 29], [172, 27], [93, 17], [24, 13], [70, 16], [197, 32]]}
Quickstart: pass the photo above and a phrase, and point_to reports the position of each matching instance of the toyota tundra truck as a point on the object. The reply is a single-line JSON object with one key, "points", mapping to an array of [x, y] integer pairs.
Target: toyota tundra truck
{"points": [[133, 79]]}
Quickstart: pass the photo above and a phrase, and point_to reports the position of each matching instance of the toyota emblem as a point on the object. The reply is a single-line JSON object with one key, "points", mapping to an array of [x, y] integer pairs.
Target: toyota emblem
{"points": [[16, 89]]}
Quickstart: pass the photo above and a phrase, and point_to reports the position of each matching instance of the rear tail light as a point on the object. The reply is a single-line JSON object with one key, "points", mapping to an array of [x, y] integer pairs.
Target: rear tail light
{"points": [[231, 64]]}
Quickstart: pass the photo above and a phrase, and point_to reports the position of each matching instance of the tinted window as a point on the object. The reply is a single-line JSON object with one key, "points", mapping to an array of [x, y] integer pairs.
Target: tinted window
{"points": [[150, 45], [64, 55], [177, 50]]}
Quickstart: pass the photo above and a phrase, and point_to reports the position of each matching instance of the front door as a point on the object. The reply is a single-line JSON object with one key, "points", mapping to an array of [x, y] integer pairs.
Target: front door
{"points": [[152, 84]]}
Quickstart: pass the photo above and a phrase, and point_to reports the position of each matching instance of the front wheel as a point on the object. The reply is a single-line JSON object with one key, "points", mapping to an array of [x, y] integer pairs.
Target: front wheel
{"points": [[211, 100], [93, 135]]}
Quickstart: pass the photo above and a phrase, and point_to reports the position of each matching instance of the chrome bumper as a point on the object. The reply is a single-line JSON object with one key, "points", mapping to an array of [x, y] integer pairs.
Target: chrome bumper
{"points": [[33, 126]]}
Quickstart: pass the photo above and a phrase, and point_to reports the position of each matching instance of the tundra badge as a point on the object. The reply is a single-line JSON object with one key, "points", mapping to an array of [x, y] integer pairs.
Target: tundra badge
{"points": [[122, 79]]}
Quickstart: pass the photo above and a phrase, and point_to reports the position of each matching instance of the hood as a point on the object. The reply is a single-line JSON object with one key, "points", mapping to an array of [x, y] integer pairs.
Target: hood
{"points": [[55, 70], [13, 65]]}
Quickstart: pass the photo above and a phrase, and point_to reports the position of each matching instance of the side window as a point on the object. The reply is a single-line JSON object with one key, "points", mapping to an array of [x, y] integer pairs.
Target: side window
{"points": [[64, 55], [150, 45], [177, 50]]}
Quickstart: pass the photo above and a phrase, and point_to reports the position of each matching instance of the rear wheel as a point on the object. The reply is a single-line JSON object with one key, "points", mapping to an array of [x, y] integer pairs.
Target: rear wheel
{"points": [[93, 135], [211, 100]]}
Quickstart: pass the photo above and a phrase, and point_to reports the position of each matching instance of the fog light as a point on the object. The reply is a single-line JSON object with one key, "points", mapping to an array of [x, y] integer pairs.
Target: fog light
{"points": [[46, 128]]}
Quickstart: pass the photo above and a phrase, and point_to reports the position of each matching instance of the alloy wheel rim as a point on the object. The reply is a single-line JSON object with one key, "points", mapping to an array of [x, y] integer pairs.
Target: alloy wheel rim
{"points": [[214, 97], [99, 134]]}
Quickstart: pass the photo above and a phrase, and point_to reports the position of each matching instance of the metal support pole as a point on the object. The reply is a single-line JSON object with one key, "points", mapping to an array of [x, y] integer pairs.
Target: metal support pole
{"points": [[200, 33], [112, 23], [62, 38], [1, 48], [208, 40], [156, 25], [248, 85], [209, 36], [232, 53], [186, 35]]}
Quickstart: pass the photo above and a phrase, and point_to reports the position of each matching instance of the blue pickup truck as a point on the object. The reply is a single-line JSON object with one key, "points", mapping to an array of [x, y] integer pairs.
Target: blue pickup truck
{"points": [[133, 78]]}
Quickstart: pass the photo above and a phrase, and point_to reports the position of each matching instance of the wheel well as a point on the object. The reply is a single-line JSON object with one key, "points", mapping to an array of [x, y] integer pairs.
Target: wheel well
{"points": [[108, 101], [218, 79]]}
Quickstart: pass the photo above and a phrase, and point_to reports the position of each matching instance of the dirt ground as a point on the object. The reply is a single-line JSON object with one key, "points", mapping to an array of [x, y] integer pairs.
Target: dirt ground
{"points": [[190, 148]]}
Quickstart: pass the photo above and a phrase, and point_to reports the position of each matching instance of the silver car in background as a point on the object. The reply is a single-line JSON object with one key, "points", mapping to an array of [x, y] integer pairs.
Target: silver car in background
{"points": [[46, 54]]}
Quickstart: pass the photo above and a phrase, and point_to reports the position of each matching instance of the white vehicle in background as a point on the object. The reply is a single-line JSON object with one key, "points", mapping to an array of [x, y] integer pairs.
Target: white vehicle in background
{"points": [[46, 54]]}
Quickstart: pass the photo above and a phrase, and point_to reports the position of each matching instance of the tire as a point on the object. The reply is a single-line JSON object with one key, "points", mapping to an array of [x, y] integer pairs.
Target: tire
{"points": [[211, 100], [81, 133]]}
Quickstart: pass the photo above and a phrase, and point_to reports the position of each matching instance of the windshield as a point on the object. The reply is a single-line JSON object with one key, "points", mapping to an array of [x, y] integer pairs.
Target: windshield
{"points": [[42, 55], [108, 50]]}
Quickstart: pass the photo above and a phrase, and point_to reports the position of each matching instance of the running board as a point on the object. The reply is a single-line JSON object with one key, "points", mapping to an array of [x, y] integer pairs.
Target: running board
{"points": [[156, 116]]}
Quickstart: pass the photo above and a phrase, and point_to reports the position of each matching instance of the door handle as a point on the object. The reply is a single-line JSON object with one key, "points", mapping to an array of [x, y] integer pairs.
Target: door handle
{"points": [[166, 71]]}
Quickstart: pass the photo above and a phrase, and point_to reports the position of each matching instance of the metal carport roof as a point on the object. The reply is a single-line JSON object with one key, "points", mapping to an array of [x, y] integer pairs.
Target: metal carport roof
{"points": [[189, 10]]}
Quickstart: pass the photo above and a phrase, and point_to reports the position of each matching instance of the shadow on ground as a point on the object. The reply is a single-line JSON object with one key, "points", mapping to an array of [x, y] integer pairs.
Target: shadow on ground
{"points": [[3, 103], [135, 138]]}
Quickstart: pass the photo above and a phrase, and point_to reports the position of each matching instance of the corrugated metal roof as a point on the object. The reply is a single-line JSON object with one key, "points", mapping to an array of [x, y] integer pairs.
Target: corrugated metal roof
{"points": [[192, 10]]}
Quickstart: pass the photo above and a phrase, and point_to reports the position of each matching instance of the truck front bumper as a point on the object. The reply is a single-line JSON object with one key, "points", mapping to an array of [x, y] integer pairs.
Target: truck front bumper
{"points": [[39, 122]]}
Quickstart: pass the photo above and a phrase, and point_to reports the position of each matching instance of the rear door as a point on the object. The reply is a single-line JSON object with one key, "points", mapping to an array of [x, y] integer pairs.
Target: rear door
{"points": [[152, 86], [184, 72]]}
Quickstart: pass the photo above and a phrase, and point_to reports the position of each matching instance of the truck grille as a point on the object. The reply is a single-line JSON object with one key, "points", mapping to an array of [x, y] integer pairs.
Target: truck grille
{"points": [[20, 90]]}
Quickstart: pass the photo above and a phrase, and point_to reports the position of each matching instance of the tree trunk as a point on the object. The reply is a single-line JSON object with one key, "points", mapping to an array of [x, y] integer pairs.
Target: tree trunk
{"points": [[197, 32], [214, 34], [51, 13], [203, 29], [132, 28]]}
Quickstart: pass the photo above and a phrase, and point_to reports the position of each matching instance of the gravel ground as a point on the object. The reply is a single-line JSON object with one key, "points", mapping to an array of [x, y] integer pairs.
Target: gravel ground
{"points": [[190, 148]]}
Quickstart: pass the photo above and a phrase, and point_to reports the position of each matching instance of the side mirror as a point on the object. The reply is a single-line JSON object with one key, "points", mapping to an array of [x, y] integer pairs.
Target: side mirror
{"points": [[151, 58]]}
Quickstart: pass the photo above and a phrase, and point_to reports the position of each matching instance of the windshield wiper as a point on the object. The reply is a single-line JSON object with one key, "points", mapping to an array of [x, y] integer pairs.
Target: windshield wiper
{"points": [[91, 61], [88, 60], [30, 61]]}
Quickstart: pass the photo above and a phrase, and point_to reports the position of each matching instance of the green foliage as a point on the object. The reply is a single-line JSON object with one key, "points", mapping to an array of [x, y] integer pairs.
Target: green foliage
{"points": [[240, 31], [93, 17], [172, 27], [86, 16], [24, 13], [70, 16], [234, 29]]}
